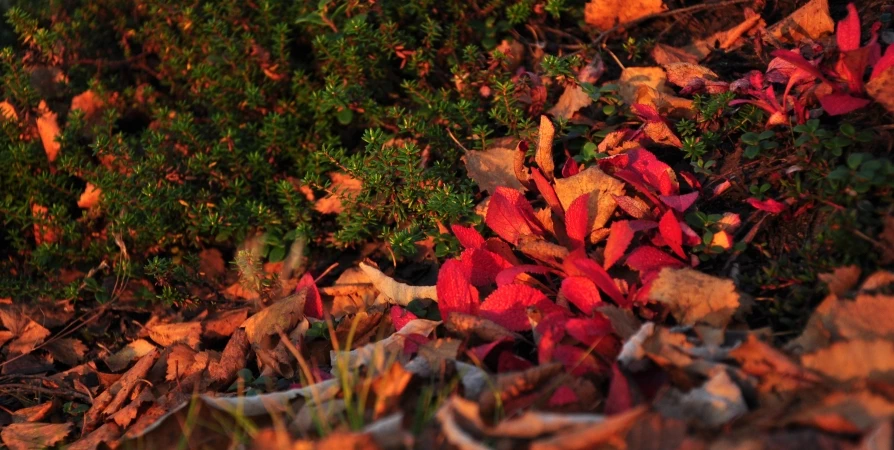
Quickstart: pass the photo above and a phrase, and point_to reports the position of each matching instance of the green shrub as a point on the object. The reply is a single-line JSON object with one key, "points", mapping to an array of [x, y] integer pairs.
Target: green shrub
{"points": [[218, 115]]}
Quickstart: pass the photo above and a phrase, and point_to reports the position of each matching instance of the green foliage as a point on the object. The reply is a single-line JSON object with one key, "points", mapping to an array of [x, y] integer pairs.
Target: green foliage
{"points": [[219, 117]]}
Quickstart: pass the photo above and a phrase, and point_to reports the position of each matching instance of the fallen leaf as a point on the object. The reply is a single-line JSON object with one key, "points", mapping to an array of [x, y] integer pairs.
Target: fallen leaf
{"points": [[34, 413], [29, 436], [881, 85], [186, 332], [133, 351], [104, 435], [582, 293], [694, 297], [841, 279], [400, 293], [854, 360], [845, 413], [672, 233], [8, 112], [454, 291], [487, 330], [811, 21], [343, 187], [716, 402], [376, 355], [506, 306], [90, 197], [494, 167], [647, 259], [27, 333], [510, 215], [544, 155], [724, 40], [233, 358], [577, 225], [113, 399], [222, 324], [665, 54], [43, 233], [612, 429], [601, 188], [605, 14], [281, 316], [69, 351], [48, 129]]}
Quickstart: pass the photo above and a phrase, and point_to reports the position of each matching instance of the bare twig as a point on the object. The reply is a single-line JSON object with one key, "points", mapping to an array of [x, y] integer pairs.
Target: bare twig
{"points": [[65, 393]]}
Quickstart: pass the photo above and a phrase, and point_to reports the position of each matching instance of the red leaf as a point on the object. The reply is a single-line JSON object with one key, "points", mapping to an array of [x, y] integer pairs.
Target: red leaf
{"points": [[679, 202], [507, 306], [620, 396], [576, 220], [582, 293], [667, 186], [547, 192], [634, 179], [578, 361], [510, 215], [647, 258], [590, 331], [769, 205], [570, 168], [481, 352], [508, 275], [634, 207], [652, 170], [838, 104], [590, 269], [400, 317], [643, 225], [619, 238], [799, 61], [455, 293], [509, 362], [884, 63], [468, 237], [482, 265], [551, 331], [848, 33], [647, 113], [691, 179], [670, 230], [562, 396], [413, 341], [313, 305]]}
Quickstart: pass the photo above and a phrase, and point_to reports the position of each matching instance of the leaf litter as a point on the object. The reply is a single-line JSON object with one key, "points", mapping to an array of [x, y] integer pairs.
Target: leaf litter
{"points": [[583, 323]]}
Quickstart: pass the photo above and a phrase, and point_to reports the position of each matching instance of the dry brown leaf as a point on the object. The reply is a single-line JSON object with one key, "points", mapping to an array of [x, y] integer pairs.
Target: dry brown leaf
{"points": [[133, 351], [854, 360], [92, 105], [623, 321], [232, 359], [180, 358], [724, 40], [439, 350], [588, 437], [105, 434], [647, 86], [124, 416], [8, 112], [599, 185], [466, 324], [343, 187], [48, 129], [572, 100], [30, 436], [682, 74], [665, 54], [43, 233], [865, 317], [400, 293], [453, 431], [68, 351], [90, 197], [544, 155], [513, 384], [170, 333], [113, 399], [811, 21], [841, 279], [388, 387], [528, 425], [34, 413], [660, 133], [718, 401], [28, 333], [845, 413], [280, 316], [776, 372], [605, 14], [881, 88], [222, 324], [494, 167], [694, 297]]}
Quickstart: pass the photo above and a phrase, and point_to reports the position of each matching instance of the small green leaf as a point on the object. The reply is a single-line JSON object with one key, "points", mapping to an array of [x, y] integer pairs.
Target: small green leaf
{"points": [[345, 116]]}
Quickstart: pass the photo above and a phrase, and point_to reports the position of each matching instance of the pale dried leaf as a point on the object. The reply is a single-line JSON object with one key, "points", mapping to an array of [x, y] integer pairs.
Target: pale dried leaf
{"points": [[605, 14], [170, 333], [811, 21], [854, 360], [694, 297], [280, 316], [48, 129], [133, 351], [865, 317], [599, 185], [400, 293], [493, 167], [572, 100], [588, 437], [544, 155], [30, 436], [179, 359], [376, 354], [715, 403]]}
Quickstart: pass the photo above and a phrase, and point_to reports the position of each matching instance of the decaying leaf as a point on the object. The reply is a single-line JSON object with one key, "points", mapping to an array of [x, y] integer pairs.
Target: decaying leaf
{"points": [[694, 297], [544, 155], [113, 399], [68, 351], [494, 166], [186, 332], [601, 188], [281, 316], [811, 21], [854, 360], [400, 293], [867, 316], [27, 333], [133, 351], [29, 436], [605, 14]]}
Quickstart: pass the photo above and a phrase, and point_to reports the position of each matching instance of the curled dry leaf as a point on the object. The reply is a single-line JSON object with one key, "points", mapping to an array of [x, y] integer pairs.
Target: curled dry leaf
{"points": [[232, 359], [544, 155], [280, 316], [29, 436], [694, 297], [133, 351], [377, 354], [400, 293], [494, 167], [113, 399]]}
